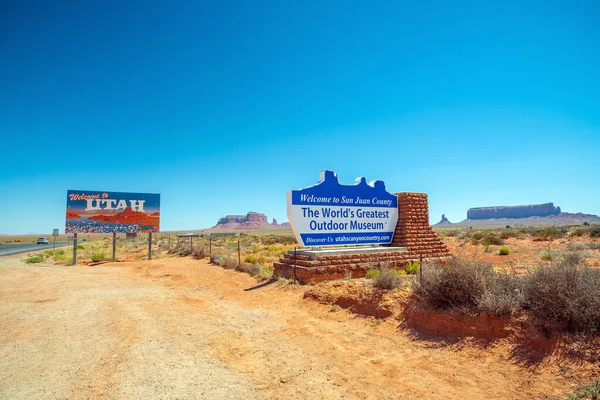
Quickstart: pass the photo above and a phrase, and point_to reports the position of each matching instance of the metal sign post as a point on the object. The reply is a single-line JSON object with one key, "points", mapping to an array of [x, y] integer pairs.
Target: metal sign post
{"points": [[74, 248], [55, 234], [114, 246]]}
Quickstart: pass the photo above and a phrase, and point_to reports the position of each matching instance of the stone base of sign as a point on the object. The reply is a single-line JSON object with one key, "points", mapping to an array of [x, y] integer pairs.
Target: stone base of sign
{"points": [[413, 239], [413, 230], [329, 264]]}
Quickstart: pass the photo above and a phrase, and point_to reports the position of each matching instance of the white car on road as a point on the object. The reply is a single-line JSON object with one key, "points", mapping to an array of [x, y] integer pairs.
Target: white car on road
{"points": [[42, 241]]}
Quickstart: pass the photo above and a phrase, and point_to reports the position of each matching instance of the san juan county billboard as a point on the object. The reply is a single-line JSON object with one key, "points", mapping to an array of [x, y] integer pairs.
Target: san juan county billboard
{"points": [[106, 212]]}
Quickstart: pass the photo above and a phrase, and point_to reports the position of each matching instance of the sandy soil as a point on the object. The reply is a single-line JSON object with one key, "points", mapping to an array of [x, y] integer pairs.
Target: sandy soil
{"points": [[183, 329]]}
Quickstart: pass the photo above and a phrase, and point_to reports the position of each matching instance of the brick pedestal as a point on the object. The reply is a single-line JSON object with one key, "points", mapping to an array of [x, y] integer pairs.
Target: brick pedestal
{"points": [[412, 233]]}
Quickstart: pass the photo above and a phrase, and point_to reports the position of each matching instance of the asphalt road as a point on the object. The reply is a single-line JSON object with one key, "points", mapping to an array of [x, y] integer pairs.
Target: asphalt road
{"points": [[7, 249]]}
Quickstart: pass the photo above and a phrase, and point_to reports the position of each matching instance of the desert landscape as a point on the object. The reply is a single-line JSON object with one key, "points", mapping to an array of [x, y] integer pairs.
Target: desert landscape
{"points": [[200, 322]]}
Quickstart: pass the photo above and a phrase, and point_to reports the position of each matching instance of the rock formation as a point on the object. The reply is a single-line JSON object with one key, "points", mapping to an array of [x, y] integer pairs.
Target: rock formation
{"points": [[250, 221], [534, 210], [444, 221]]}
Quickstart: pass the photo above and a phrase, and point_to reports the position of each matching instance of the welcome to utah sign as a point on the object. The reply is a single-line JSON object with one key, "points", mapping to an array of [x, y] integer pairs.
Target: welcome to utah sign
{"points": [[331, 214]]}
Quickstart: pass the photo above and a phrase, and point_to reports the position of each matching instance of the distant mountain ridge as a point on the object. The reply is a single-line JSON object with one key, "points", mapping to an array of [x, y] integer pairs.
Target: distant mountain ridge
{"points": [[251, 221], [533, 214]]}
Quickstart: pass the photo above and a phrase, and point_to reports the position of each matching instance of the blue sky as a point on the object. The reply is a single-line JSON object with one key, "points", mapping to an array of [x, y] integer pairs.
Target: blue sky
{"points": [[223, 106]]}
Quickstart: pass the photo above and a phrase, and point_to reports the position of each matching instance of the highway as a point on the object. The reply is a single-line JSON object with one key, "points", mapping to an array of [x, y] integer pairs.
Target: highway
{"points": [[8, 249]]}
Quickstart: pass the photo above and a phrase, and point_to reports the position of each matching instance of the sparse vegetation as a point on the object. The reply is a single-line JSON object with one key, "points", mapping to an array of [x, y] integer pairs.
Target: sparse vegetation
{"points": [[412, 268], [389, 278], [34, 259], [468, 285], [566, 294], [98, 256]]}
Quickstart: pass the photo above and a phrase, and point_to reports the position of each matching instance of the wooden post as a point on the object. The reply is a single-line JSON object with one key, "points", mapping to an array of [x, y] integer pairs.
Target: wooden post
{"points": [[191, 244], [149, 245], [114, 246], [75, 248]]}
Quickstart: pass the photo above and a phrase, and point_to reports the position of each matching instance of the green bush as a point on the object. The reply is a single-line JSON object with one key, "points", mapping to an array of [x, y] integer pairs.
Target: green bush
{"points": [[34, 259], [412, 268], [373, 273], [492, 239], [251, 259], [546, 256], [98, 256], [80, 247], [504, 251]]}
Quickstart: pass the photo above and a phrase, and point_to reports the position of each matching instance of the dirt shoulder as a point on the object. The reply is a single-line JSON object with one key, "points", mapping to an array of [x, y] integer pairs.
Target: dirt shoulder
{"points": [[181, 328]]}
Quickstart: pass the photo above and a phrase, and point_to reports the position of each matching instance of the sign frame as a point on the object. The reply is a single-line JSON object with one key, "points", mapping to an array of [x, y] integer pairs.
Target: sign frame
{"points": [[331, 214]]}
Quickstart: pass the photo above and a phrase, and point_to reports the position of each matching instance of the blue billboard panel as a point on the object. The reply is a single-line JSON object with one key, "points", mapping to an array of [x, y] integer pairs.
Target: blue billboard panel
{"points": [[107, 212], [332, 214]]}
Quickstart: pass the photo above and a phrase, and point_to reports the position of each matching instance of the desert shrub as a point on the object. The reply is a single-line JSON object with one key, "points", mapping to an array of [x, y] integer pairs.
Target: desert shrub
{"points": [[181, 249], [576, 246], [251, 259], [587, 392], [458, 284], [34, 259], [546, 256], [59, 252], [565, 294], [578, 232], [98, 256], [476, 237], [548, 233], [255, 249], [199, 251], [595, 232], [509, 234], [412, 268], [389, 279], [469, 286], [80, 247], [228, 262], [373, 273], [586, 223], [487, 249], [503, 294], [593, 246], [252, 269], [492, 239], [503, 251]]}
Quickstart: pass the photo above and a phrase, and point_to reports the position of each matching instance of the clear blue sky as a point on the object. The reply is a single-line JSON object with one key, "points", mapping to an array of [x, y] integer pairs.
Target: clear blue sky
{"points": [[223, 106]]}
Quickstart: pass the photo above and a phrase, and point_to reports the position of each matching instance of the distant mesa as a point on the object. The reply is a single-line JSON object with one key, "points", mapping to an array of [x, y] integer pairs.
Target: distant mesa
{"points": [[250, 221], [533, 214], [533, 210]]}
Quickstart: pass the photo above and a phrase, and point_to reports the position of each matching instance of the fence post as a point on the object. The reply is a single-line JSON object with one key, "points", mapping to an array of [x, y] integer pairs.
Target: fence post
{"points": [[74, 248], [114, 246], [149, 245]]}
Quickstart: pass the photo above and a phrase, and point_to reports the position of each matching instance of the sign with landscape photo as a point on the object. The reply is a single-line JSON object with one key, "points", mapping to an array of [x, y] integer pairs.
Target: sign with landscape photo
{"points": [[108, 212], [331, 214]]}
